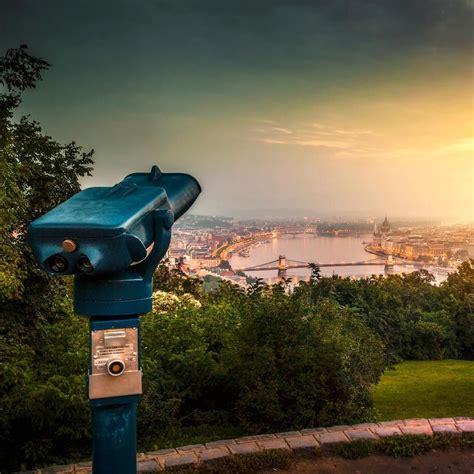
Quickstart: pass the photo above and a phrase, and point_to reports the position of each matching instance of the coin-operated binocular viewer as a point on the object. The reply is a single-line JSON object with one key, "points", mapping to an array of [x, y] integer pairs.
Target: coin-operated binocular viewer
{"points": [[112, 239]]}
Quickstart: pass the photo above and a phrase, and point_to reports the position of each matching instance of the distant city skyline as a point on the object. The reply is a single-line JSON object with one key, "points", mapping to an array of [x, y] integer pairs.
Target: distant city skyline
{"points": [[277, 106], [339, 216], [276, 249]]}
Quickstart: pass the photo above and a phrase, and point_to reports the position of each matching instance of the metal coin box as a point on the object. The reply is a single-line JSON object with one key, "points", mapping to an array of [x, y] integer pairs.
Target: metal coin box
{"points": [[120, 346]]}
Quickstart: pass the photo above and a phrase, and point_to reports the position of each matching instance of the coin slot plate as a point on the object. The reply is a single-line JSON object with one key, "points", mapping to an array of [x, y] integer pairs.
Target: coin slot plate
{"points": [[120, 344]]}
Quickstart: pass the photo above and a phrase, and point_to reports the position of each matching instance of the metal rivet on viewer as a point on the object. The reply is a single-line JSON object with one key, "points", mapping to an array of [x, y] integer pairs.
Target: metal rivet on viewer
{"points": [[69, 245]]}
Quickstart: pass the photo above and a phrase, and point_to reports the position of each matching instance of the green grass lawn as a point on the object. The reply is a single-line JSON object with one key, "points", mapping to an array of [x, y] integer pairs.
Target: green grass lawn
{"points": [[426, 389]]}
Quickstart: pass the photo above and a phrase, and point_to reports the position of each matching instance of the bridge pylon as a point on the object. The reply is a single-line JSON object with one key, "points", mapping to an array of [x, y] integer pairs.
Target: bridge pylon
{"points": [[282, 266], [389, 264]]}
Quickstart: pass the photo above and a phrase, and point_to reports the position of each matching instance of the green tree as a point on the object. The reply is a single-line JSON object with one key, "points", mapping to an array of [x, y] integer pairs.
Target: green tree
{"points": [[42, 362], [457, 299], [174, 280], [36, 174]]}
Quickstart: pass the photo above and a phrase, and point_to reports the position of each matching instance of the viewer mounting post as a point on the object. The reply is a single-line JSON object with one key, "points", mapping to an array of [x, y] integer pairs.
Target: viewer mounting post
{"points": [[112, 239]]}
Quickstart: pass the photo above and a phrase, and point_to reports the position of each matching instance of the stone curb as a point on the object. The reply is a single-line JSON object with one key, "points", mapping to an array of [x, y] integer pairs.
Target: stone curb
{"points": [[291, 441]]}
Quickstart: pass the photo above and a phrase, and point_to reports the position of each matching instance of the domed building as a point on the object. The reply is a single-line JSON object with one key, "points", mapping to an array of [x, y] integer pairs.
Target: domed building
{"points": [[380, 234], [385, 228], [377, 237]]}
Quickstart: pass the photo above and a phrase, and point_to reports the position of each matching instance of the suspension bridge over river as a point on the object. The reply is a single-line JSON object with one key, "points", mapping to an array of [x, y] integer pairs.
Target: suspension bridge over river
{"points": [[282, 264]]}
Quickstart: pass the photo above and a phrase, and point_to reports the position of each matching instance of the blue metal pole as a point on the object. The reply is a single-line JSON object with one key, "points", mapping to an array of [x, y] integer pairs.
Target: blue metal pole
{"points": [[114, 419], [114, 442]]}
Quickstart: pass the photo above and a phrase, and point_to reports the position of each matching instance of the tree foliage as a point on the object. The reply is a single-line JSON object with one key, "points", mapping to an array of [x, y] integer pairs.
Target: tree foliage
{"points": [[41, 382], [263, 361], [457, 299], [414, 318]]}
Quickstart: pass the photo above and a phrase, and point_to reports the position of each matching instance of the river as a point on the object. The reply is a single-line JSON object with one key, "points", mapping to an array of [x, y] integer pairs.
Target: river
{"points": [[311, 248]]}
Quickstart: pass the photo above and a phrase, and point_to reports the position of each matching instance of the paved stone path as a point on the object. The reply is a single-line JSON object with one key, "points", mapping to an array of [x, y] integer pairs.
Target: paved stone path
{"points": [[201, 454]]}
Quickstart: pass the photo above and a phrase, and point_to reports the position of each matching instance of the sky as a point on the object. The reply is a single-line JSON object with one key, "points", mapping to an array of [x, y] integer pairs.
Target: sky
{"points": [[278, 107]]}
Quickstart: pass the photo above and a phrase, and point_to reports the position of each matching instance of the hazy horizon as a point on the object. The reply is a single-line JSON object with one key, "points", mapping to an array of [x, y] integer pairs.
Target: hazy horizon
{"points": [[331, 107], [277, 215]]}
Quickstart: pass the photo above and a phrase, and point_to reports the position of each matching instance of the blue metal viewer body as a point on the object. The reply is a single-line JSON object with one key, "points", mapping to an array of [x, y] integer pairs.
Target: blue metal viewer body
{"points": [[117, 235]]}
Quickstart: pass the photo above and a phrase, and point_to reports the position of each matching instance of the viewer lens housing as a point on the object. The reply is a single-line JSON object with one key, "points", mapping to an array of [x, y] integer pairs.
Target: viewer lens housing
{"points": [[85, 264], [57, 263]]}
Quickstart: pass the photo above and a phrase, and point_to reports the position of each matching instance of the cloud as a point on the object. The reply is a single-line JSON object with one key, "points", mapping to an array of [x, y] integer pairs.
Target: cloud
{"points": [[286, 131], [303, 142], [451, 150], [355, 143], [464, 145], [332, 130], [313, 135]]}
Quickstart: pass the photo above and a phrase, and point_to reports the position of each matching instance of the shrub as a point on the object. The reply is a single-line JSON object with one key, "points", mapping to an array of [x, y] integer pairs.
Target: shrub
{"points": [[430, 337], [296, 368], [45, 412], [262, 362]]}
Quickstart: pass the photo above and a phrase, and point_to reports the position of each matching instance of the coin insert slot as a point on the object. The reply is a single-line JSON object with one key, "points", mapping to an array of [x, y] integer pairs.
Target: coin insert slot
{"points": [[115, 338]]}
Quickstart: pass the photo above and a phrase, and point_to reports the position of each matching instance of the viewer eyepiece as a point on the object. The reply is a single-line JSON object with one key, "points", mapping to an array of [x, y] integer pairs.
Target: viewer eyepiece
{"points": [[57, 263], [85, 264]]}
